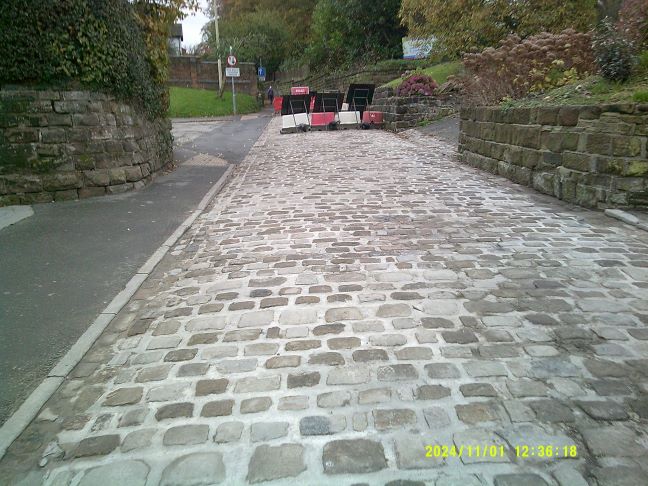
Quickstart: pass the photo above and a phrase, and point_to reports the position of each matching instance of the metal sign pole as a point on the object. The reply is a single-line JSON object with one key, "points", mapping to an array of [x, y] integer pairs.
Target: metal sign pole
{"points": [[233, 88], [220, 67]]}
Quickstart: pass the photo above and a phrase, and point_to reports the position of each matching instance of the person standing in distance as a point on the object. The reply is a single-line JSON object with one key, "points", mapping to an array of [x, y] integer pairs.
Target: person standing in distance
{"points": [[270, 94]]}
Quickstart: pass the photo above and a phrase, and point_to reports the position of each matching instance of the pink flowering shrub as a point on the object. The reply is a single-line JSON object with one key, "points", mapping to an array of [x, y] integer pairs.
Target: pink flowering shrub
{"points": [[417, 84]]}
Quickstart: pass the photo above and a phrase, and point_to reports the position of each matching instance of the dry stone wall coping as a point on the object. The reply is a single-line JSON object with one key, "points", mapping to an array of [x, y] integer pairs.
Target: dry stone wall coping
{"points": [[69, 144], [595, 156]]}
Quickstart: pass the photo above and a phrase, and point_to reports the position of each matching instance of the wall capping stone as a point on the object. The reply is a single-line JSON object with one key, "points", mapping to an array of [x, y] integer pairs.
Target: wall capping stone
{"points": [[592, 155], [62, 144]]}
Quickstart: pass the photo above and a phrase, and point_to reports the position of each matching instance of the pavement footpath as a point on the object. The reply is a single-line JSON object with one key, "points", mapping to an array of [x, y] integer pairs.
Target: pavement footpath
{"points": [[358, 307], [60, 267]]}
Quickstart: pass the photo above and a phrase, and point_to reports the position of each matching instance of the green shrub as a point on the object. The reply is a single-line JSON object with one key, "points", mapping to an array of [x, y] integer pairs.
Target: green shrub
{"points": [[640, 97], [97, 43], [614, 53], [642, 62]]}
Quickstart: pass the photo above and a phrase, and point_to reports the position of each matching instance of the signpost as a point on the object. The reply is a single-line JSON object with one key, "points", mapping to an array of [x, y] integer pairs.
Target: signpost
{"points": [[233, 72], [262, 74]]}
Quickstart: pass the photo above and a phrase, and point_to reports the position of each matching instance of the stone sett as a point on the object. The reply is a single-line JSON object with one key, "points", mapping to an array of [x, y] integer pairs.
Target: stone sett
{"points": [[463, 326]]}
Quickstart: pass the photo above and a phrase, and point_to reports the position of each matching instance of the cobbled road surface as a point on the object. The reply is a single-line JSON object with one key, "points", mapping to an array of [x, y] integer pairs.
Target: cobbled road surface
{"points": [[350, 301]]}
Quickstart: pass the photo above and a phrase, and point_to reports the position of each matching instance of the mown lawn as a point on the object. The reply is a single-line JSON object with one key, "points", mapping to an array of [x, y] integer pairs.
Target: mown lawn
{"points": [[439, 73], [189, 103]]}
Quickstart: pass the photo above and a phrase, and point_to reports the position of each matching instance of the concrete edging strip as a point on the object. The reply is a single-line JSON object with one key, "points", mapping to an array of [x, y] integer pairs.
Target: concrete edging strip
{"points": [[29, 409], [12, 214]]}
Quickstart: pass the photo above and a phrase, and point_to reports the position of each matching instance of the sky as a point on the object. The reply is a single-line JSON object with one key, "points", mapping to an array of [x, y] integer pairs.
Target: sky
{"points": [[192, 26]]}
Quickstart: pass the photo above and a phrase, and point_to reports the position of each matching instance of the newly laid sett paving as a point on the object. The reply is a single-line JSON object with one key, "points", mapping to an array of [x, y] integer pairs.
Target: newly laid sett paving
{"points": [[349, 299]]}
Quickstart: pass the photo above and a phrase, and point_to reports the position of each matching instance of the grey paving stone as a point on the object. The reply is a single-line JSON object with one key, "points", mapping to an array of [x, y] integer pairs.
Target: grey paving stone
{"points": [[118, 472], [330, 359], [257, 384], [319, 425], [436, 417], [197, 468], [257, 404], [477, 390], [343, 314], [186, 435], [476, 437], [260, 349], [411, 453], [298, 380], [387, 340], [276, 462], [138, 439], [123, 396], [343, 343], [286, 361], [97, 446], [228, 432], [293, 403], [432, 392], [294, 317], [217, 408], [393, 418], [153, 373], [442, 370], [348, 376], [356, 456], [552, 411], [397, 372], [604, 410], [614, 441], [414, 353], [481, 369], [519, 480], [374, 395], [620, 476], [394, 310], [365, 355], [263, 431], [211, 387], [174, 410], [333, 399]]}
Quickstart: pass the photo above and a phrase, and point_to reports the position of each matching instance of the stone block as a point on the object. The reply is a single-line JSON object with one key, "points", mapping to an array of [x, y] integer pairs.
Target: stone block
{"points": [[626, 146], [61, 181], [85, 192]]}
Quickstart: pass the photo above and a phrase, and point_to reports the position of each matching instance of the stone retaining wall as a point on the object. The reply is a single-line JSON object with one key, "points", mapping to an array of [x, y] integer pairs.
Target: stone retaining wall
{"points": [[58, 145], [594, 156], [403, 112]]}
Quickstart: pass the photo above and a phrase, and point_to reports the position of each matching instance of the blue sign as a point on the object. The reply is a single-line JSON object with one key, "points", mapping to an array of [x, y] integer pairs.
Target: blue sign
{"points": [[262, 72]]}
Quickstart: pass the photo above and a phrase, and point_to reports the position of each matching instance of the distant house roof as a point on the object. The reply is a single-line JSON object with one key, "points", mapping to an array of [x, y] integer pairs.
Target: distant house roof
{"points": [[176, 31]]}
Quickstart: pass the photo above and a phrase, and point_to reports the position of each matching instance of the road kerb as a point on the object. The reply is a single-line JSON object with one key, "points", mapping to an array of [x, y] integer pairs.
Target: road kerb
{"points": [[30, 408]]}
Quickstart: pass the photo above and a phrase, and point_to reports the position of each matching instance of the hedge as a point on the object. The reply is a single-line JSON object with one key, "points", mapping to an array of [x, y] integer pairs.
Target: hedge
{"points": [[97, 43]]}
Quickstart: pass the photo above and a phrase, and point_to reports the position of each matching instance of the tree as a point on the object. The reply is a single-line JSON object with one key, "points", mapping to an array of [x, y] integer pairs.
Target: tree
{"points": [[464, 25], [254, 36], [350, 31], [295, 13]]}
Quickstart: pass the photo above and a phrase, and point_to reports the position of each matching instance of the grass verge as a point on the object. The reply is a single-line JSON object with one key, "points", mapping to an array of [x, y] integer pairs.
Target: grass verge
{"points": [[440, 73], [189, 103], [589, 91]]}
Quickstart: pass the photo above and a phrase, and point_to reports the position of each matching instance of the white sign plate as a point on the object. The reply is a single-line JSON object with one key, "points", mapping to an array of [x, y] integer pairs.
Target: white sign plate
{"points": [[231, 72]]}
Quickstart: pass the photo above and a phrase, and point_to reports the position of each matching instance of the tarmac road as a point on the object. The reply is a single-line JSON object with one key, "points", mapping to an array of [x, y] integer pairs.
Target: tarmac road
{"points": [[62, 266]]}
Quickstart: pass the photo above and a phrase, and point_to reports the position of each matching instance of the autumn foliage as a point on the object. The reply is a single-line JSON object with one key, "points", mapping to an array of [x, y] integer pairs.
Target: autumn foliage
{"points": [[518, 67]]}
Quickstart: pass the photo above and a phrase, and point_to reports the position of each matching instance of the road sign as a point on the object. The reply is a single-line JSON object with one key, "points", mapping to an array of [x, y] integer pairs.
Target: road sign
{"points": [[299, 90], [231, 60], [262, 72], [232, 72]]}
